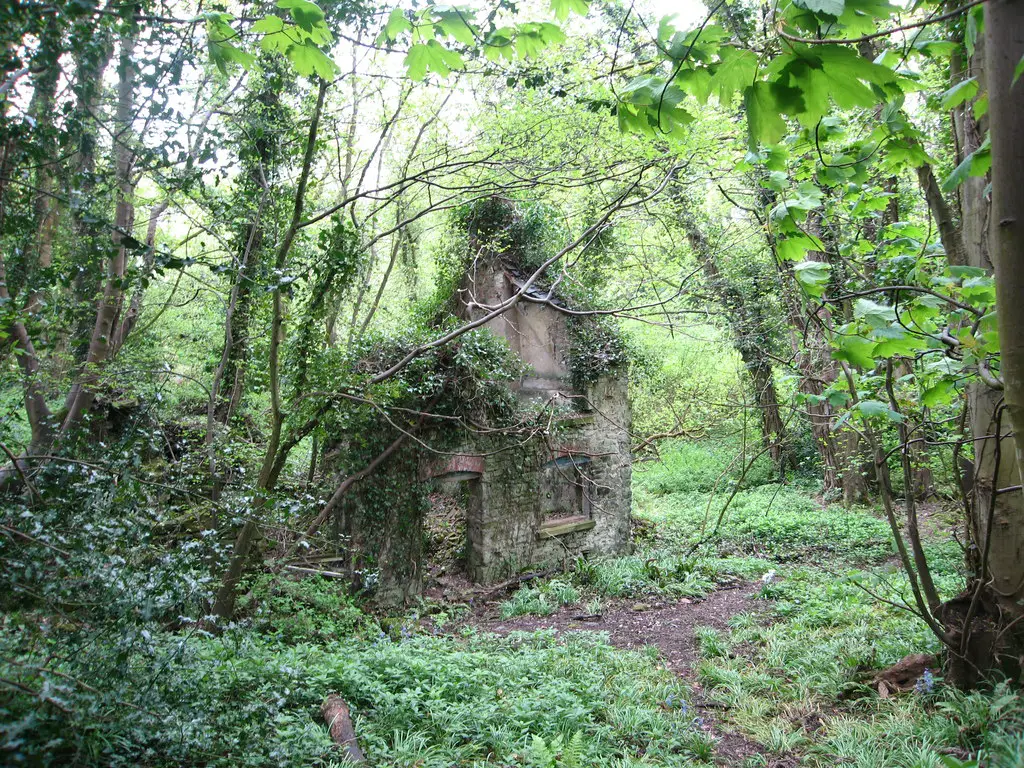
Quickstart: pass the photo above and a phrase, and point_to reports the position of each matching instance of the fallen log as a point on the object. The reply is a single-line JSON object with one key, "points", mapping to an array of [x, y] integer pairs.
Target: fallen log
{"points": [[315, 572], [904, 674], [506, 586], [339, 723]]}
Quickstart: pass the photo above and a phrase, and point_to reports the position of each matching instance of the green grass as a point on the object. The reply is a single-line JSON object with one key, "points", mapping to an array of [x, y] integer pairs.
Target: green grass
{"points": [[702, 467], [793, 679], [770, 522], [789, 677], [479, 700]]}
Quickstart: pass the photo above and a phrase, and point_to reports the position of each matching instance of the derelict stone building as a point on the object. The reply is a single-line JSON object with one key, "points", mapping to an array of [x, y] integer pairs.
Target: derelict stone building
{"points": [[526, 501], [545, 501]]}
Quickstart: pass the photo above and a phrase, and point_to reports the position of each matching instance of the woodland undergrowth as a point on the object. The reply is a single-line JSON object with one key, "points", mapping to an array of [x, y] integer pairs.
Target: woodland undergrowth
{"points": [[133, 687]]}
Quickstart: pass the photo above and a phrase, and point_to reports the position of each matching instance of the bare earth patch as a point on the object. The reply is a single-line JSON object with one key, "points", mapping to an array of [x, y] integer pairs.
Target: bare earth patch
{"points": [[667, 625]]}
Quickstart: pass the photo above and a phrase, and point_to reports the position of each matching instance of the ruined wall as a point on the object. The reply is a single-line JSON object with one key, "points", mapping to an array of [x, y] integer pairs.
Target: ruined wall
{"points": [[379, 528], [537, 333], [511, 528]]}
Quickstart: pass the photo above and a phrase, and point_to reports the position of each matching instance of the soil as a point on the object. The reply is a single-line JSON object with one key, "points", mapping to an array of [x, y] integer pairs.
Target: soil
{"points": [[667, 624], [634, 624]]}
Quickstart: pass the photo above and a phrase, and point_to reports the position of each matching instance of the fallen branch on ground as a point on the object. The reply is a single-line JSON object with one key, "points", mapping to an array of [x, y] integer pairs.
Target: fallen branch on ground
{"points": [[339, 723]]}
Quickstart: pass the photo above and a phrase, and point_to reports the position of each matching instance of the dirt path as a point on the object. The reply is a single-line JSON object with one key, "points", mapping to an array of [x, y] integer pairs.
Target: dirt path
{"points": [[634, 624], [667, 624]]}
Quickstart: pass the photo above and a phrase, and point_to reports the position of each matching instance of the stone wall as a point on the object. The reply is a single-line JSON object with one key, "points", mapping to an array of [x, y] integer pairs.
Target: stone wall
{"points": [[510, 529], [537, 504]]}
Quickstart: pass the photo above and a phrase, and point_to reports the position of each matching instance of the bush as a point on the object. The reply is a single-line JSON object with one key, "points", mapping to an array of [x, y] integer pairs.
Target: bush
{"points": [[241, 699], [313, 609], [704, 466]]}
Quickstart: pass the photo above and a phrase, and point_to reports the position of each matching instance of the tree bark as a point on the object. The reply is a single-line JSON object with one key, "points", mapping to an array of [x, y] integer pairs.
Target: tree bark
{"points": [[817, 371], [91, 61], [83, 391], [1004, 536], [339, 722], [224, 605], [261, 170], [752, 352], [949, 231], [991, 604]]}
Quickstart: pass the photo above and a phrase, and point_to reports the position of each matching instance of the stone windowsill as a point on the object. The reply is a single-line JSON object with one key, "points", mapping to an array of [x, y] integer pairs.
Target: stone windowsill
{"points": [[554, 528]]}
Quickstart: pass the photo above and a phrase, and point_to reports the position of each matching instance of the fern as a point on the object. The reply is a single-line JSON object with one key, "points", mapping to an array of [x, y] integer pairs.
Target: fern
{"points": [[572, 757], [545, 755], [558, 753]]}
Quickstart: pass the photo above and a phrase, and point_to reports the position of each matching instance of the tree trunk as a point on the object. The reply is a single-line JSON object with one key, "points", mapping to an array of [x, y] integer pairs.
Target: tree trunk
{"points": [[1004, 529], [93, 57], [753, 353], [224, 605], [949, 232], [813, 361], [83, 391], [230, 378], [265, 115], [981, 618]]}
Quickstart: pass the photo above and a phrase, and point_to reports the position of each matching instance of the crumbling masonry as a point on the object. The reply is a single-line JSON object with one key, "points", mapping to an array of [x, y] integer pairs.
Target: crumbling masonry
{"points": [[551, 499]]}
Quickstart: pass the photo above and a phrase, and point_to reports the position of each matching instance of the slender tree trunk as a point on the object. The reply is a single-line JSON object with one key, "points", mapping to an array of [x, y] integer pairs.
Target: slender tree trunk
{"points": [[263, 118], [224, 604], [949, 232], [83, 391], [749, 342], [230, 377], [90, 67], [1004, 49], [986, 619], [817, 371], [41, 109]]}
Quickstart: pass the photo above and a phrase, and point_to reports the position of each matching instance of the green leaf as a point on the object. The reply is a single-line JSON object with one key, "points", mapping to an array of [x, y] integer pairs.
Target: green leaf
{"points": [[499, 45], [874, 408], [454, 24], [764, 123], [871, 408], [980, 107], [899, 343], [964, 272], [306, 14], [431, 57], [959, 93], [941, 393], [832, 8], [855, 350], [979, 290], [1017, 71], [532, 38], [874, 314], [643, 90], [269, 24], [975, 164], [308, 59], [563, 8], [838, 399], [734, 72], [796, 248], [696, 82], [812, 276], [397, 24]]}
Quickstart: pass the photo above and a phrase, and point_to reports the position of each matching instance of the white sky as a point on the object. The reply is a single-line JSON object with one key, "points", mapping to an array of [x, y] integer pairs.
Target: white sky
{"points": [[689, 13]]}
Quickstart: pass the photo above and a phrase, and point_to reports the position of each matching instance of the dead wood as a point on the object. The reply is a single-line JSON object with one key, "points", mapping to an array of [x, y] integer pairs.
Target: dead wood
{"points": [[505, 586], [904, 674], [339, 723]]}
